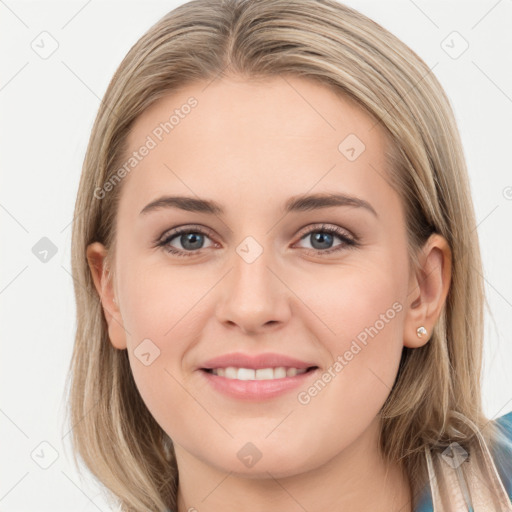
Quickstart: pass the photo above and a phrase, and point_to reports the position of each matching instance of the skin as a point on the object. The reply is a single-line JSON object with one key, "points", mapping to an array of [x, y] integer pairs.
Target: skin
{"points": [[263, 142]]}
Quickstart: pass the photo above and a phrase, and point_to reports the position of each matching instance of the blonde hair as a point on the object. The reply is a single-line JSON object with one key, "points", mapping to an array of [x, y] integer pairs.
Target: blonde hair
{"points": [[322, 40]]}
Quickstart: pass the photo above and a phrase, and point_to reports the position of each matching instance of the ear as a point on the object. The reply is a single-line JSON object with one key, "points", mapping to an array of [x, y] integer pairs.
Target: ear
{"points": [[102, 277], [428, 289]]}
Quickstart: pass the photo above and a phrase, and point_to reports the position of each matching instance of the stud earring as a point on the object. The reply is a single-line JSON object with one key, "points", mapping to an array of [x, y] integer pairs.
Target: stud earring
{"points": [[421, 331]]}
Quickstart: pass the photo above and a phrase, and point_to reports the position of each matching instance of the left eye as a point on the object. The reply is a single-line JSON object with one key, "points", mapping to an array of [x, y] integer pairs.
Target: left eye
{"points": [[325, 235], [192, 240]]}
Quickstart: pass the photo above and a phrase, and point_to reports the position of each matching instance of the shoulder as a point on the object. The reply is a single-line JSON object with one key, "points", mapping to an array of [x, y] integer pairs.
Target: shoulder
{"points": [[502, 456], [502, 452], [506, 422]]}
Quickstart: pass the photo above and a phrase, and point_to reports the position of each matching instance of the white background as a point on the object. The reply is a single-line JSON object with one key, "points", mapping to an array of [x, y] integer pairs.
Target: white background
{"points": [[48, 107]]}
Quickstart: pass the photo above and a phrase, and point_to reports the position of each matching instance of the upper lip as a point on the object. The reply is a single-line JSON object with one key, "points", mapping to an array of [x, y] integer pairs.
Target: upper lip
{"points": [[257, 361]]}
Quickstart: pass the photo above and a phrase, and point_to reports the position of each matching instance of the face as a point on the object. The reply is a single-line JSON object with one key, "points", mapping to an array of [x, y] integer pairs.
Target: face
{"points": [[327, 284]]}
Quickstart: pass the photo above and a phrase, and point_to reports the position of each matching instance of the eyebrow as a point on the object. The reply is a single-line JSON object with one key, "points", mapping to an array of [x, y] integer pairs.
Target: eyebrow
{"points": [[300, 203]]}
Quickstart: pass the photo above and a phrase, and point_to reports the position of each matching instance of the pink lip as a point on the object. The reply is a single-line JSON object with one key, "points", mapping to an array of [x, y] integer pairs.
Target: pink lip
{"points": [[256, 390], [265, 360]]}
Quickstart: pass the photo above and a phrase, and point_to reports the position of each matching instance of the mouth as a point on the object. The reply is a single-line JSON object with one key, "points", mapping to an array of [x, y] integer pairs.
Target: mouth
{"points": [[245, 374], [257, 385]]}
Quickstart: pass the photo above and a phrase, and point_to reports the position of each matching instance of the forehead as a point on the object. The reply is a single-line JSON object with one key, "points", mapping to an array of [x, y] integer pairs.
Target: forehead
{"points": [[285, 107], [256, 141]]}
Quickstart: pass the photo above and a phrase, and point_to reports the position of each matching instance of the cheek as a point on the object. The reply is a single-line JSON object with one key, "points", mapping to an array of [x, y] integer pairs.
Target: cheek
{"points": [[365, 345], [358, 317], [162, 311], [349, 299], [161, 301]]}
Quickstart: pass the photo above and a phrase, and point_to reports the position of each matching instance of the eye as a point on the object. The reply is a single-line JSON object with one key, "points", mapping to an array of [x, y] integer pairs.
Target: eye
{"points": [[324, 235], [190, 238]]}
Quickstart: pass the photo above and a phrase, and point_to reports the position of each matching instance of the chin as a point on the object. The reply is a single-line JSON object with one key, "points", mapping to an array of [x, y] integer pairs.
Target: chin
{"points": [[251, 462]]}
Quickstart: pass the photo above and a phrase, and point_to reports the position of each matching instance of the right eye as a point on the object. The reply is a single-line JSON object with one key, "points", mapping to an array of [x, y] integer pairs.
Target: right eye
{"points": [[190, 239]]}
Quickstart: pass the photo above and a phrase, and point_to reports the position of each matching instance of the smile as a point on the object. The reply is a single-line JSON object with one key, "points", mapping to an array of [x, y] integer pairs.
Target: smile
{"points": [[249, 384], [279, 372]]}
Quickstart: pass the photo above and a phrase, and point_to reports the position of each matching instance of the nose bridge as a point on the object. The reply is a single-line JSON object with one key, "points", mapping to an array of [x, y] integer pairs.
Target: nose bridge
{"points": [[253, 296], [251, 266]]}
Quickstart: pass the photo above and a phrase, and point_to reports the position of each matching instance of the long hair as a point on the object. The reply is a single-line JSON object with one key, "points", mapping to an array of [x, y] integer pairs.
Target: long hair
{"points": [[325, 41]]}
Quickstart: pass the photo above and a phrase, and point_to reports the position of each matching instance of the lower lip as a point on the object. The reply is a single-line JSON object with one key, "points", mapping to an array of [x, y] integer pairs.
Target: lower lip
{"points": [[255, 390]]}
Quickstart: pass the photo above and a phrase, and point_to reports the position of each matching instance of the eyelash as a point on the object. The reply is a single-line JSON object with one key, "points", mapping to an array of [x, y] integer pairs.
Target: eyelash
{"points": [[348, 243]]}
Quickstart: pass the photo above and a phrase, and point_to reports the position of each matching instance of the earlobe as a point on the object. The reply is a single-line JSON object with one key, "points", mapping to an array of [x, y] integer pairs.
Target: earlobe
{"points": [[96, 257], [428, 289]]}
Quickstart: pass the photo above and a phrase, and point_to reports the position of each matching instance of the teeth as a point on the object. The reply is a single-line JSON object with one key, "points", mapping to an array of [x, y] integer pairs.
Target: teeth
{"points": [[261, 374]]}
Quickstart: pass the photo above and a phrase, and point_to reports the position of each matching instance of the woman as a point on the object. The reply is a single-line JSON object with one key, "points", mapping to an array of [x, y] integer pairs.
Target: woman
{"points": [[248, 370]]}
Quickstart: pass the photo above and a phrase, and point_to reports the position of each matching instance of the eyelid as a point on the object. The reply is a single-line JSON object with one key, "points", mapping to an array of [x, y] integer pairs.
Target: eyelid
{"points": [[324, 226], [185, 227]]}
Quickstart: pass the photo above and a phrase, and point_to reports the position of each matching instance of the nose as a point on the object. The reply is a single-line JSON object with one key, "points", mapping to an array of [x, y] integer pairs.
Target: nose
{"points": [[254, 295]]}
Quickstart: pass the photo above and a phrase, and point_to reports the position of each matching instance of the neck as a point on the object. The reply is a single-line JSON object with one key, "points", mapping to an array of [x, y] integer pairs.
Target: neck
{"points": [[358, 478]]}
